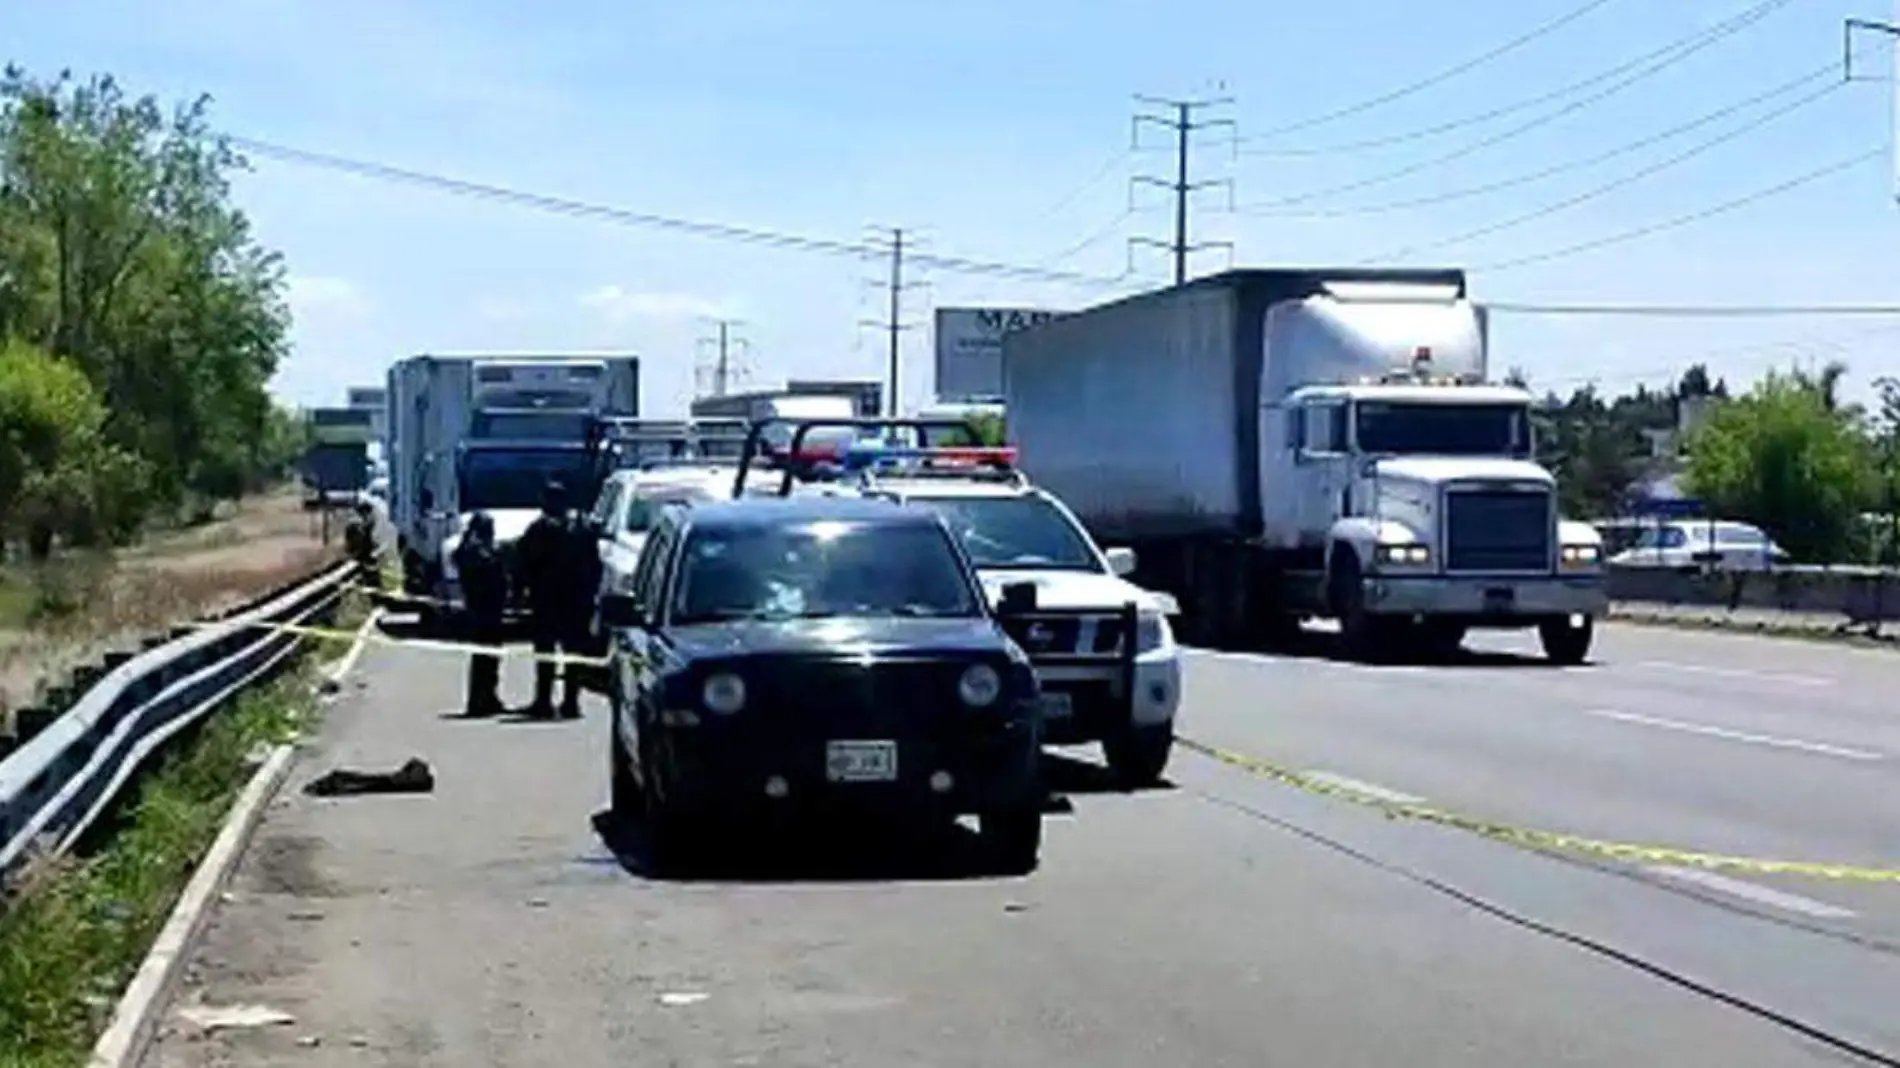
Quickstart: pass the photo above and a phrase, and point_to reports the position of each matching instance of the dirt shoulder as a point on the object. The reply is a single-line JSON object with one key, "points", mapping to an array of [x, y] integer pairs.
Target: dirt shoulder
{"points": [[266, 541]]}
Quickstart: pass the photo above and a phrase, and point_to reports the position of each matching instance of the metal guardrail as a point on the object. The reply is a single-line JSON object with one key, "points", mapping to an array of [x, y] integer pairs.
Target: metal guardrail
{"points": [[57, 784], [1860, 595]]}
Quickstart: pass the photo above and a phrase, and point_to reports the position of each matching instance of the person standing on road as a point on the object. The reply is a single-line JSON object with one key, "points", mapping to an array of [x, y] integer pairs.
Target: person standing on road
{"points": [[552, 576], [484, 595], [359, 540]]}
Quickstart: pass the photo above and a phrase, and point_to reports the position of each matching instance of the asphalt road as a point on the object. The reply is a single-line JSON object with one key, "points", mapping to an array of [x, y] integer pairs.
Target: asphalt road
{"points": [[1226, 920]]}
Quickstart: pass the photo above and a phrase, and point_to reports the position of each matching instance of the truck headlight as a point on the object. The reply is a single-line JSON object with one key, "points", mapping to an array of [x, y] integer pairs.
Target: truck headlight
{"points": [[723, 693], [980, 686], [1405, 555], [1151, 632], [1582, 556]]}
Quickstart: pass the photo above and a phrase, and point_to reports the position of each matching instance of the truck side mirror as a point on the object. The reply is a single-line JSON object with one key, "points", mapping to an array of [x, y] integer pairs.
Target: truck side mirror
{"points": [[1018, 598], [1121, 560]]}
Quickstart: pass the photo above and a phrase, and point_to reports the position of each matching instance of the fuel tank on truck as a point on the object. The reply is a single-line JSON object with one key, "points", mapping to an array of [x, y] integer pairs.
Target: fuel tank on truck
{"points": [[1149, 415]]}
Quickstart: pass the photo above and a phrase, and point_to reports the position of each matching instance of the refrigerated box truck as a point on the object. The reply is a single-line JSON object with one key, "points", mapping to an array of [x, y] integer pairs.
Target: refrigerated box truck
{"points": [[1278, 445]]}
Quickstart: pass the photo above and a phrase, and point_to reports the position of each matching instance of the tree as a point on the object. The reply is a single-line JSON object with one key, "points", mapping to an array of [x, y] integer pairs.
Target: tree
{"points": [[121, 255], [58, 473], [1788, 458]]}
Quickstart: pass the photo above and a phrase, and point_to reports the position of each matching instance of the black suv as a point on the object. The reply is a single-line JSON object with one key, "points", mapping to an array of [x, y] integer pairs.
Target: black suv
{"points": [[812, 653]]}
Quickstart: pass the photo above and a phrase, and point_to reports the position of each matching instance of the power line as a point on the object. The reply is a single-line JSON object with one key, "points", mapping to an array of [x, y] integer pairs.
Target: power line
{"points": [[1183, 126], [1442, 76], [1684, 220], [1710, 311], [1094, 179], [1528, 177], [1709, 38], [652, 220], [1745, 18], [1612, 186]]}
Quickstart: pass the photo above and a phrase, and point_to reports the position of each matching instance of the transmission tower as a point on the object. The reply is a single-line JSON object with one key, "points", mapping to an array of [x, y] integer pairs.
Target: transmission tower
{"points": [[719, 358], [1180, 120]]}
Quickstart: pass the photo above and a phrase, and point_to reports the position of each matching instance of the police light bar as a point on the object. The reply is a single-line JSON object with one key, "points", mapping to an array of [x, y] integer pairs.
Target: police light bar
{"points": [[869, 453]]}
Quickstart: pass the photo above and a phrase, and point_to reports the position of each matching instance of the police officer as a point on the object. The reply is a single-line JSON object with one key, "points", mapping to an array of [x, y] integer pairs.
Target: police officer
{"points": [[554, 575], [359, 540], [484, 594]]}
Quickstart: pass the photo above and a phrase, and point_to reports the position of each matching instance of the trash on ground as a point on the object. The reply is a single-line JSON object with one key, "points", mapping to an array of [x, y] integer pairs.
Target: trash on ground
{"points": [[414, 777]]}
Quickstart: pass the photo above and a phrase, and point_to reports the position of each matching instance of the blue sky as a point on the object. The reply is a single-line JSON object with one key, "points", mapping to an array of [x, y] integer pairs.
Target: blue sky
{"points": [[976, 124]]}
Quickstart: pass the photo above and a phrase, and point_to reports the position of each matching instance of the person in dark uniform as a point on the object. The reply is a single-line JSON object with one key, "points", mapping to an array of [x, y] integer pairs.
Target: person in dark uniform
{"points": [[484, 595], [359, 540], [552, 573]]}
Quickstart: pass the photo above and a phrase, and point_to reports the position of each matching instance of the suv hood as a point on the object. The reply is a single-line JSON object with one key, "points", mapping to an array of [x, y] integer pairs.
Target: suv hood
{"points": [[1075, 589], [840, 637], [1437, 470]]}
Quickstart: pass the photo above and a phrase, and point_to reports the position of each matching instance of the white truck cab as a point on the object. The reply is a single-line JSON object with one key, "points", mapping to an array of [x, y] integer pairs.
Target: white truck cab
{"points": [[1102, 646]]}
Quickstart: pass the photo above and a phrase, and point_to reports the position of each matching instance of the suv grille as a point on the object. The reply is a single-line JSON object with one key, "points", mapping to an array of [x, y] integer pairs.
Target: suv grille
{"points": [[1068, 635], [1497, 530]]}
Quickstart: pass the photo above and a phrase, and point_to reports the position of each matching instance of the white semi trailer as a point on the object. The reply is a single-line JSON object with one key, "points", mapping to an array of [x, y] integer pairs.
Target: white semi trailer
{"points": [[1286, 444]]}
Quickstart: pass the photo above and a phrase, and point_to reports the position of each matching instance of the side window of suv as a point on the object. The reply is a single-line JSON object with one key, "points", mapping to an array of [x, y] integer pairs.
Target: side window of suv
{"points": [[649, 576]]}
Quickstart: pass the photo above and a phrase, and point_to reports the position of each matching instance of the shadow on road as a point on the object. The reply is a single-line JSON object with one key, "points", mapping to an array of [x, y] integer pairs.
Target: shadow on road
{"points": [[832, 852], [1327, 645], [1070, 775]]}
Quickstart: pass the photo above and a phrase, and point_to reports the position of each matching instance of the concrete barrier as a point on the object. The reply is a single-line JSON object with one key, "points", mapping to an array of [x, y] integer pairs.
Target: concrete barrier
{"points": [[1856, 594]]}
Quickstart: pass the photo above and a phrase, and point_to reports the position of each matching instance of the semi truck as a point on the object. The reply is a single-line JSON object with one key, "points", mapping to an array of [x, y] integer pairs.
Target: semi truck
{"points": [[486, 432], [1283, 444]]}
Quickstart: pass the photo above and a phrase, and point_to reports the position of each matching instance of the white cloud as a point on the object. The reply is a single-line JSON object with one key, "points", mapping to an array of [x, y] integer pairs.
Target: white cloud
{"points": [[312, 296], [619, 305]]}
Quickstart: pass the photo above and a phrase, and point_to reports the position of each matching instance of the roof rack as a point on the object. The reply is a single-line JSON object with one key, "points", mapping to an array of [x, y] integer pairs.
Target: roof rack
{"points": [[817, 463]]}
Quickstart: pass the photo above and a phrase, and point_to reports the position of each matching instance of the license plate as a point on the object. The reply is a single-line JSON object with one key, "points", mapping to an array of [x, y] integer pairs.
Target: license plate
{"points": [[1057, 706], [861, 761], [1499, 599]]}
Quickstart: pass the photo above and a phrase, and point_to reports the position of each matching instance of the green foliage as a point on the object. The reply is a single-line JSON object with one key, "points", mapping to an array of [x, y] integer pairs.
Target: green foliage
{"points": [[145, 320], [1786, 457]]}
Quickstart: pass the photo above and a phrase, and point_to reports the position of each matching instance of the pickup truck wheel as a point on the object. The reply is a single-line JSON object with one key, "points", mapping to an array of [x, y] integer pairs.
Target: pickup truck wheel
{"points": [[1565, 644], [1014, 837], [625, 798], [1138, 755]]}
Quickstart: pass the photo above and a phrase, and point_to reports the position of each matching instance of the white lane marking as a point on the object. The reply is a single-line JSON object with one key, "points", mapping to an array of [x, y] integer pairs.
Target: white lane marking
{"points": [[1821, 748], [1760, 895], [1358, 786], [1736, 673], [348, 660]]}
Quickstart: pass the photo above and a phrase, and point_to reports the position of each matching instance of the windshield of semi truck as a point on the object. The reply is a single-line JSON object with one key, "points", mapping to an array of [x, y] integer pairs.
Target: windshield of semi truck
{"points": [[1023, 532], [1440, 429], [515, 478]]}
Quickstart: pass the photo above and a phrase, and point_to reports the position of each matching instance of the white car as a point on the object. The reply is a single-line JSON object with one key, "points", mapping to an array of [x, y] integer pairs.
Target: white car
{"points": [[1102, 646], [630, 502], [1695, 544]]}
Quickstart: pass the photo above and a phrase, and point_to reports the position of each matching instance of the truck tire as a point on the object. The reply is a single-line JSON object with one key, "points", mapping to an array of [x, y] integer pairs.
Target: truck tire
{"points": [[1566, 644], [1362, 636], [1138, 755], [1013, 836]]}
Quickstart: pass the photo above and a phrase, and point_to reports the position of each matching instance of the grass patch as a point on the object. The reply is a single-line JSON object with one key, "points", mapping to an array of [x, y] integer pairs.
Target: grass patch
{"points": [[77, 929]]}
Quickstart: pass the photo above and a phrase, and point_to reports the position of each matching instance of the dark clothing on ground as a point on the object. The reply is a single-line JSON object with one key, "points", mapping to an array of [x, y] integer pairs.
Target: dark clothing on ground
{"points": [[484, 580]]}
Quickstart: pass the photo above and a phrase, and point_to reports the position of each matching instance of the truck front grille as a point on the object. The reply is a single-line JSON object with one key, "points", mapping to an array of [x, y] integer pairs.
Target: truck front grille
{"points": [[1498, 530]]}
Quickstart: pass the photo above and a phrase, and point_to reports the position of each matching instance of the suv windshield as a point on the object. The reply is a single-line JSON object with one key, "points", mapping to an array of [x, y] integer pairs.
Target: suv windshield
{"points": [[821, 570], [493, 480], [1444, 429], [1024, 532]]}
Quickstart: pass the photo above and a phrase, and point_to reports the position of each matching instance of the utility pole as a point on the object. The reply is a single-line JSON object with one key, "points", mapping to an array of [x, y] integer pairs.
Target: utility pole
{"points": [[725, 347], [1181, 122], [893, 325]]}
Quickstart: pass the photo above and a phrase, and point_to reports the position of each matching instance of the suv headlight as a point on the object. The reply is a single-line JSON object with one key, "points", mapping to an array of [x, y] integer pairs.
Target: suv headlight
{"points": [[1151, 632], [723, 693], [1412, 555], [1582, 556], [980, 686]]}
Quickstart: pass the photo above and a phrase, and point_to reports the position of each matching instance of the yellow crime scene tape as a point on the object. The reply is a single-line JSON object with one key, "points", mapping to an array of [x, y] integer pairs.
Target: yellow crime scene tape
{"points": [[378, 637], [1522, 837], [1543, 841]]}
